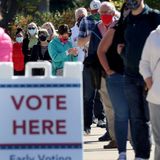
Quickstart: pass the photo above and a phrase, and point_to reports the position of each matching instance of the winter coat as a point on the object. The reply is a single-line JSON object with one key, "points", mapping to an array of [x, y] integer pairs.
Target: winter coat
{"points": [[5, 47]]}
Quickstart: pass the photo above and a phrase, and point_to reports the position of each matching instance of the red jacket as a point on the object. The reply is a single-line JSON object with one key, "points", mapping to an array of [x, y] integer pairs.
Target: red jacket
{"points": [[18, 57]]}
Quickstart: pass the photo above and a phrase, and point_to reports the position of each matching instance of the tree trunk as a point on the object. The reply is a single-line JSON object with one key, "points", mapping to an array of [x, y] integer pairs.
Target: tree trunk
{"points": [[10, 8]]}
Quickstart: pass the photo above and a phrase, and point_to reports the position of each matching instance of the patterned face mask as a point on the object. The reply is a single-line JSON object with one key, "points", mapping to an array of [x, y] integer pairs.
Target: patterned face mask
{"points": [[133, 4]]}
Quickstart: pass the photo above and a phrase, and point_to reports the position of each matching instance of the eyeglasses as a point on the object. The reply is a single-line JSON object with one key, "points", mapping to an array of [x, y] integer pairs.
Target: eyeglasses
{"points": [[29, 28]]}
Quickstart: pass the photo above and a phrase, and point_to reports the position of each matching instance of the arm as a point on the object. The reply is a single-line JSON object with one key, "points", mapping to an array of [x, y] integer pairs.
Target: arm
{"points": [[83, 37], [103, 48], [144, 66], [54, 54], [82, 41]]}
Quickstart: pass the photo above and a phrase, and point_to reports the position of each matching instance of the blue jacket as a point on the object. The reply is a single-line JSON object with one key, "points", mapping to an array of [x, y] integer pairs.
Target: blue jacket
{"points": [[57, 51]]}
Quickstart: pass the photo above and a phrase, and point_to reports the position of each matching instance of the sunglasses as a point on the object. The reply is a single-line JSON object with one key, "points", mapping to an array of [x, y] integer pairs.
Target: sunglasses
{"points": [[31, 28]]}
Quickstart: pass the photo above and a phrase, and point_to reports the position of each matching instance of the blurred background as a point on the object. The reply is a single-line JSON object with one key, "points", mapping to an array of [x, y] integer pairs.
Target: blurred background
{"points": [[21, 12]]}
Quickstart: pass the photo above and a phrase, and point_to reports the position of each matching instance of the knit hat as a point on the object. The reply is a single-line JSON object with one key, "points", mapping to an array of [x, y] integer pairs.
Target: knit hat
{"points": [[95, 4]]}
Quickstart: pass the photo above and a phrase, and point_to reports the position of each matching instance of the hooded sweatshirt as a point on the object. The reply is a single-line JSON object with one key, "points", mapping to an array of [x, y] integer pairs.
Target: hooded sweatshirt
{"points": [[150, 65]]}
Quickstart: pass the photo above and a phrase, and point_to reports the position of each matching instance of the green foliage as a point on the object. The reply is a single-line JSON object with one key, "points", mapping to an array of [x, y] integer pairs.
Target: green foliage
{"points": [[153, 3], [57, 18]]}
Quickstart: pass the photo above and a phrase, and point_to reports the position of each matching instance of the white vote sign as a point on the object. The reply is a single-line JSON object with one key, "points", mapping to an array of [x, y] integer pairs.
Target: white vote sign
{"points": [[41, 117]]}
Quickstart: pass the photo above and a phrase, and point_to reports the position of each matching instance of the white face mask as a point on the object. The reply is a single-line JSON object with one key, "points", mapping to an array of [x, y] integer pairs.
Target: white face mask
{"points": [[32, 32], [19, 39]]}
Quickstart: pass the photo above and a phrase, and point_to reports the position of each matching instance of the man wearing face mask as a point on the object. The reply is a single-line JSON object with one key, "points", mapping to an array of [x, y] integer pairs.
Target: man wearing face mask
{"points": [[138, 25], [80, 13], [18, 57], [108, 19], [40, 51]]}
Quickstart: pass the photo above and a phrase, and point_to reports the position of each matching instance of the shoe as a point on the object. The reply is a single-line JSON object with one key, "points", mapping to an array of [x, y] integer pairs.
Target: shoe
{"points": [[87, 131], [122, 156], [112, 144], [101, 124], [105, 137]]}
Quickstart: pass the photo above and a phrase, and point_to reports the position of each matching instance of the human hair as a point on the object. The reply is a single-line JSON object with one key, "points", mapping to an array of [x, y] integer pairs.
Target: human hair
{"points": [[46, 24], [80, 12], [19, 30], [62, 29], [109, 6], [43, 30]]}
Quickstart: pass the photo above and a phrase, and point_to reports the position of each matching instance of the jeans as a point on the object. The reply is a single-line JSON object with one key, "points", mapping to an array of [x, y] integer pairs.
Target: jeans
{"points": [[139, 115], [115, 85], [89, 96]]}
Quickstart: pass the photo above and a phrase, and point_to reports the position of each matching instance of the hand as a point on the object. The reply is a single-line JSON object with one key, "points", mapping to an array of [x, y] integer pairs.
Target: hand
{"points": [[73, 51], [109, 72], [149, 82], [120, 48]]}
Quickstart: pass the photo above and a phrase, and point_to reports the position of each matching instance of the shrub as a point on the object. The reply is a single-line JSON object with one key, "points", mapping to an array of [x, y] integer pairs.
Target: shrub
{"points": [[57, 18]]}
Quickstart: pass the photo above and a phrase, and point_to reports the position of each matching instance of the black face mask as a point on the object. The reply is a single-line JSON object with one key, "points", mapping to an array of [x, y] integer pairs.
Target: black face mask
{"points": [[42, 38], [79, 20]]}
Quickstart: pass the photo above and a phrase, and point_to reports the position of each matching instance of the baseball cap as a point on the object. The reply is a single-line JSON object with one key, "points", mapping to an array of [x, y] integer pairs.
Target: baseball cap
{"points": [[95, 4]]}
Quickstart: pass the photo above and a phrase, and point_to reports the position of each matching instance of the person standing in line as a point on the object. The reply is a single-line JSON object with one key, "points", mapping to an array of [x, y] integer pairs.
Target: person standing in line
{"points": [[150, 70], [18, 56], [40, 51], [80, 13], [29, 41], [51, 30], [108, 20], [5, 45], [86, 26], [61, 50], [138, 25], [114, 68]]}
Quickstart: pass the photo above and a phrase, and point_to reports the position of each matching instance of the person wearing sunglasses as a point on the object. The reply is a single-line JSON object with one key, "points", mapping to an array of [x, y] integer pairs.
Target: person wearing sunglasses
{"points": [[30, 40]]}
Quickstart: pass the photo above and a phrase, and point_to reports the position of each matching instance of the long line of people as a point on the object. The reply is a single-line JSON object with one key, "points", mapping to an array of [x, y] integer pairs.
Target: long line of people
{"points": [[120, 53]]}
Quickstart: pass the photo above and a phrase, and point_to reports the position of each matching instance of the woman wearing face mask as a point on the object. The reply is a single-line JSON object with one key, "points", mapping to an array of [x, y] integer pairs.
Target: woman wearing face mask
{"points": [[18, 57], [40, 51], [30, 40], [51, 30], [61, 50]]}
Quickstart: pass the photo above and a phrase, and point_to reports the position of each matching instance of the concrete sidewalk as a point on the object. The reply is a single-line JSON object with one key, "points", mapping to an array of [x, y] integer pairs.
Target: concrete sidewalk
{"points": [[93, 149]]}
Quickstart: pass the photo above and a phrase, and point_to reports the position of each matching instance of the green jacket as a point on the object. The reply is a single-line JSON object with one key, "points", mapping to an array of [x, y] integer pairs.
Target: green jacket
{"points": [[57, 51]]}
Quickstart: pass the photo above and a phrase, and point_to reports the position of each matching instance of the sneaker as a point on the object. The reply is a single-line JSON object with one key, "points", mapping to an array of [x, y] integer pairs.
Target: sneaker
{"points": [[101, 124], [122, 156], [105, 137], [112, 144]]}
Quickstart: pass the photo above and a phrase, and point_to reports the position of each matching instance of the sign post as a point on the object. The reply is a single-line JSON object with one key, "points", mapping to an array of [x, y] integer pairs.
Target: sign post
{"points": [[41, 117]]}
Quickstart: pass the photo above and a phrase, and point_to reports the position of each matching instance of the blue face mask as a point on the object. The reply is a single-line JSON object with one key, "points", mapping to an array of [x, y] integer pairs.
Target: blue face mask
{"points": [[32, 32], [133, 4], [19, 39]]}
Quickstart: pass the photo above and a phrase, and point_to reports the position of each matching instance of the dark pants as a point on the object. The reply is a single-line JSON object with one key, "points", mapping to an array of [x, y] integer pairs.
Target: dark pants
{"points": [[139, 116], [89, 96]]}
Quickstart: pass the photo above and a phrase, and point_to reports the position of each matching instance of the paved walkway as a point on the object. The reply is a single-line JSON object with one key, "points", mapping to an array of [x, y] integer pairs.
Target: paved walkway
{"points": [[93, 149]]}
